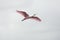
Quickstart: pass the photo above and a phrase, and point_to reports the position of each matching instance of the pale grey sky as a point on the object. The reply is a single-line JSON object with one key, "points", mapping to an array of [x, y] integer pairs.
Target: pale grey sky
{"points": [[12, 28]]}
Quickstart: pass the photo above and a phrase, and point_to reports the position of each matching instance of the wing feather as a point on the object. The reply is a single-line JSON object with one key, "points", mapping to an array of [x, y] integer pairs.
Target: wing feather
{"points": [[23, 13], [36, 18]]}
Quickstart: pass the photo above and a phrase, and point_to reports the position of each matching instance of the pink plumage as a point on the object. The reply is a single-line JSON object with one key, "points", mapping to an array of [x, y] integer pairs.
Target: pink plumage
{"points": [[23, 13]]}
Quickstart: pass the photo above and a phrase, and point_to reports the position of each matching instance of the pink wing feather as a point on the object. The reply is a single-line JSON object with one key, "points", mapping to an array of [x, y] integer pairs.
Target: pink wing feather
{"points": [[23, 13], [35, 18]]}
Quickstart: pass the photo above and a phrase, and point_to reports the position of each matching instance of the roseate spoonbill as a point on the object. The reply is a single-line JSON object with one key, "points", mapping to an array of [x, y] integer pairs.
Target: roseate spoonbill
{"points": [[26, 16]]}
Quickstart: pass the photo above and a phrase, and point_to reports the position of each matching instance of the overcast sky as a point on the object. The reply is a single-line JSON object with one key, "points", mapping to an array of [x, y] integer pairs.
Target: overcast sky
{"points": [[12, 28]]}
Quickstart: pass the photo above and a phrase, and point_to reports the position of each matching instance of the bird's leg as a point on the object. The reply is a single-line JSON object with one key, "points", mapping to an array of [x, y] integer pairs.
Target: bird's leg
{"points": [[23, 19]]}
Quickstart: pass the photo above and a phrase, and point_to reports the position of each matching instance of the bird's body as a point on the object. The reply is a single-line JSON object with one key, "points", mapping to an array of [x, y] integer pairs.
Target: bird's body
{"points": [[26, 16]]}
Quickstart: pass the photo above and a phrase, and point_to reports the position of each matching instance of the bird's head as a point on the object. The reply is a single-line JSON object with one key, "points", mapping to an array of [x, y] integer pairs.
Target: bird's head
{"points": [[34, 14]]}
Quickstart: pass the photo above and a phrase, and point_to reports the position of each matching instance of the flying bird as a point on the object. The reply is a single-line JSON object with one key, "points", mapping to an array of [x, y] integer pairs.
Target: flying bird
{"points": [[26, 16]]}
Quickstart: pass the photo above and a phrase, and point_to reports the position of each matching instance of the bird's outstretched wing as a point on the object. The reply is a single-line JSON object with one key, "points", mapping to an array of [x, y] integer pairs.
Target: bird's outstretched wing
{"points": [[23, 13], [35, 18]]}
